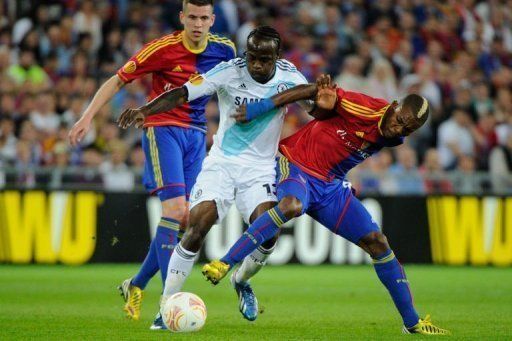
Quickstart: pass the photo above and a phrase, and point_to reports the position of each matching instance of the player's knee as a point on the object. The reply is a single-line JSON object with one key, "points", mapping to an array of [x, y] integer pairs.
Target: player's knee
{"points": [[375, 243], [290, 207]]}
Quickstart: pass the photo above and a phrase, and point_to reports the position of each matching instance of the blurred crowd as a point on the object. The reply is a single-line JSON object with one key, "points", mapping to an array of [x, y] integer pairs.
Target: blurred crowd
{"points": [[458, 54]]}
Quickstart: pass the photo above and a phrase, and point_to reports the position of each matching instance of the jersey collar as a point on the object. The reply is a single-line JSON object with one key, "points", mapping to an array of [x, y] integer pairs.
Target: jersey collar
{"points": [[381, 119], [190, 48]]}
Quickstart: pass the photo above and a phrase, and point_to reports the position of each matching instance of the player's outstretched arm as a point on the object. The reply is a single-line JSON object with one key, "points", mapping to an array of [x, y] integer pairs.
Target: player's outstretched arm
{"points": [[102, 96], [323, 92], [165, 102], [250, 111]]}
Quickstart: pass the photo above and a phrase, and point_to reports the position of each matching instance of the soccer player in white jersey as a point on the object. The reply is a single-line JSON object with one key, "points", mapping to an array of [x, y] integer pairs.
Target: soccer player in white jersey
{"points": [[240, 167]]}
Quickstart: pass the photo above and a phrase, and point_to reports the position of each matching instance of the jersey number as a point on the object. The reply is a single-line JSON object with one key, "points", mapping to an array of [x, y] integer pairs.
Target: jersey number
{"points": [[270, 190]]}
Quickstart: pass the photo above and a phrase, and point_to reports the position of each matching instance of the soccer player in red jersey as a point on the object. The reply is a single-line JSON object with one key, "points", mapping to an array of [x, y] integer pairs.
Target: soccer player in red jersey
{"points": [[310, 179], [174, 142]]}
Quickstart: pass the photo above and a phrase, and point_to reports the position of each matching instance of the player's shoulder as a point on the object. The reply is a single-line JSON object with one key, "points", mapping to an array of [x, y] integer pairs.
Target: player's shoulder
{"points": [[286, 65], [168, 39], [238, 63], [222, 43], [228, 69], [159, 47], [290, 71]]}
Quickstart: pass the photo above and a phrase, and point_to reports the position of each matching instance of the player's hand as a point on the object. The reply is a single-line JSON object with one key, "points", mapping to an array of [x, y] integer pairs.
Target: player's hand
{"points": [[326, 94], [324, 81], [240, 115], [131, 116], [79, 130]]}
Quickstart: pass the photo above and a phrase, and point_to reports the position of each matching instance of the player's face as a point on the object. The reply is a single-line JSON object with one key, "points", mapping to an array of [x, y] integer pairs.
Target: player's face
{"points": [[261, 57], [197, 21], [398, 121]]}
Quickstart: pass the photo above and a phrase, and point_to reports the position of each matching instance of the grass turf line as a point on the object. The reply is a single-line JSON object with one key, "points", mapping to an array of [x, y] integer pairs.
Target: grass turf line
{"points": [[299, 302]]}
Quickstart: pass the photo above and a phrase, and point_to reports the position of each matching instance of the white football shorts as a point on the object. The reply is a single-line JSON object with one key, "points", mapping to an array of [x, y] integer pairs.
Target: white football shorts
{"points": [[227, 181]]}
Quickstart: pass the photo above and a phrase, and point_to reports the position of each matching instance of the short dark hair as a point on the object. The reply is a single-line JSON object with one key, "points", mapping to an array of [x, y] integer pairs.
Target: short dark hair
{"points": [[419, 108], [198, 2], [266, 33]]}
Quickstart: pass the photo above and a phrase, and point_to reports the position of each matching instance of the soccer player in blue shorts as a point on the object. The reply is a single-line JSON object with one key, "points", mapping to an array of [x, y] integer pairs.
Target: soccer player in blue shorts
{"points": [[174, 141], [310, 179]]}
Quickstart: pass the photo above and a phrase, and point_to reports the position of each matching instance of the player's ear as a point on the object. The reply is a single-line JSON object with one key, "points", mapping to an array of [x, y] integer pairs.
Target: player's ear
{"points": [[277, 55], [213, 20], [182, 18]]}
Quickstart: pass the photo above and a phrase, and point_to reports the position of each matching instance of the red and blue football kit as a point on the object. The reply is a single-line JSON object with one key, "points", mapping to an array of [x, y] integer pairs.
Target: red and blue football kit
{"points": [[315, 162], [328, 149], [317, 158], [174, 141]]}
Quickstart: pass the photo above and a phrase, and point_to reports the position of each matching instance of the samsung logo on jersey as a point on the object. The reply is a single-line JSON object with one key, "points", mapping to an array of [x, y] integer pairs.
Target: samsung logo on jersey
{"points": [[244, 100]]}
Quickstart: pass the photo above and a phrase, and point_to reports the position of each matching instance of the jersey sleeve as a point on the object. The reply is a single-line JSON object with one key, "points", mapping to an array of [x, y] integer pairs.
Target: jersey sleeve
{"points": [[359, 104], [147, 60], [208, 83]]}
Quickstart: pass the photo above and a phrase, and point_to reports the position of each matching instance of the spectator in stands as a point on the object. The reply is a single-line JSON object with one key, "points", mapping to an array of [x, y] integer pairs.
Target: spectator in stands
{"points": [[32, 148], [137, 157], [115, 173], [500, 166], [27, 72], [8, 105], [109, 134], [467, 180], [456, 138], [303, 55], [487, 139], [26, 165], [405, 171], [435, 178], [8, 140], [44, 117], [351, 77], [382, 80], [331, 22], [402, 58], [503, 105], [482, 103], [92, 158], [352, 32], [87, 20]]}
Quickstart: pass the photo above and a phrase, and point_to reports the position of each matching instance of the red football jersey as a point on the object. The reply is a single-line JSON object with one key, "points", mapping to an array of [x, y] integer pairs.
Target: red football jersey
{"points": [[328, 149], [172, 63]]}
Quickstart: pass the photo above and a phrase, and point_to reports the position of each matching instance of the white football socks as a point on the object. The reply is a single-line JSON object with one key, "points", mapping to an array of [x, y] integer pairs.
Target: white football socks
{"points": [[252, 264], [180, 266]]}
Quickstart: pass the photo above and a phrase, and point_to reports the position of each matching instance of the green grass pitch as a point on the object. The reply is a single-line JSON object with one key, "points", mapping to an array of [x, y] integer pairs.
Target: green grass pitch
{"points": [[299, 302]]}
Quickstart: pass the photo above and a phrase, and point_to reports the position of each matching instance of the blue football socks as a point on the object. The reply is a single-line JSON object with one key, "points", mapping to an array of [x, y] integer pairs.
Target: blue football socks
{"points": [[264, 227], [392, 275], [160, 250]]}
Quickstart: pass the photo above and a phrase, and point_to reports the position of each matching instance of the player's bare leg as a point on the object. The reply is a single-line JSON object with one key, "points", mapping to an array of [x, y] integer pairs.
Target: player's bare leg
{"points": [[392, 275], [248, 303]]}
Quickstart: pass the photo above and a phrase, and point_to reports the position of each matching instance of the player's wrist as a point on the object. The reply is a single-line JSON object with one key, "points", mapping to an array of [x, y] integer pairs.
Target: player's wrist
{"points": [[254, 110]]}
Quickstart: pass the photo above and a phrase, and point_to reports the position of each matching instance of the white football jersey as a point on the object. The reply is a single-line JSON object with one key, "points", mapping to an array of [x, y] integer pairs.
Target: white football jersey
{"points": [[257, 140]]}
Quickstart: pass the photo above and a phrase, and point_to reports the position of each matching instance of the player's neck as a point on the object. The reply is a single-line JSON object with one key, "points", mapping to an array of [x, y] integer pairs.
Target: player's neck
{"points": [[192, 46]]}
